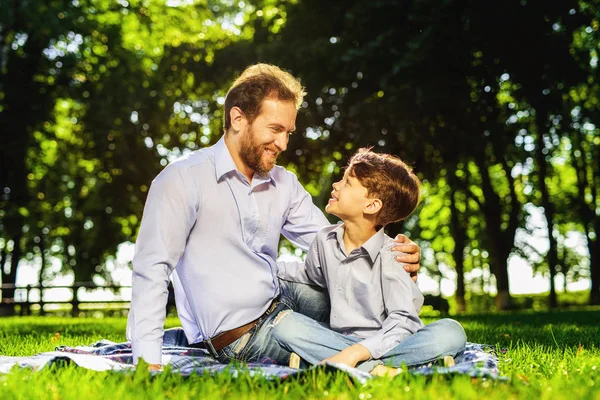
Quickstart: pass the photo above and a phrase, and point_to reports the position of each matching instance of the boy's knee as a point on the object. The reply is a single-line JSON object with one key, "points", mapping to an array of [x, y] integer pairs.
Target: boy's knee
{"points": [[455, 333]]}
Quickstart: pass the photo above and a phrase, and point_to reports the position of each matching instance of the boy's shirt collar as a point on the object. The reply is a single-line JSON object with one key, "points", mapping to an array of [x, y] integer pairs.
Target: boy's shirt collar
{"points": [[372, 246]]}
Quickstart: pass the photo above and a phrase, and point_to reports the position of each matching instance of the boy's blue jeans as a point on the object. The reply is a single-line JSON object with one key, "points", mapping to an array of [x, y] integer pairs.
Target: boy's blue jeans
{"points": [[314, 341]]}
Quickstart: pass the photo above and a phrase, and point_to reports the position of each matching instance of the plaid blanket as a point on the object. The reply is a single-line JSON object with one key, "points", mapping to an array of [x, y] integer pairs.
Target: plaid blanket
{"points": [[477, 360]]}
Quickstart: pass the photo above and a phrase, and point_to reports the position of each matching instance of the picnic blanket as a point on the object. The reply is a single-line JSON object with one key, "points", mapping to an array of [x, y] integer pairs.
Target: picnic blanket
{"points": [[477, 360]]}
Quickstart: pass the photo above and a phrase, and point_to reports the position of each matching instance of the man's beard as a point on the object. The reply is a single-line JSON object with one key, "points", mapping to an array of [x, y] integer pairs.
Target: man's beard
{"points": [[252, 154]]}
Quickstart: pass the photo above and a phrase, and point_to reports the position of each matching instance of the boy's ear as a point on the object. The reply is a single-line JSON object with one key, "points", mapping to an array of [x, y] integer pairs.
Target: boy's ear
{"points": [[373, 207], [238, 118]]}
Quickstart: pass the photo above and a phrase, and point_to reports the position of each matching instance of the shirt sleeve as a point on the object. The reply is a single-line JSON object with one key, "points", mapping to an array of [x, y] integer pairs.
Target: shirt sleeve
{"points": [[168, 217], [402, 303], [304, 219], [308, 271]]}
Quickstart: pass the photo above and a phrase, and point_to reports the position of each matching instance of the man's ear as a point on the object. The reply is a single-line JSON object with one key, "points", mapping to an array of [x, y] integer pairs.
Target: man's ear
{"points": [[238, 119], [373, 207]]}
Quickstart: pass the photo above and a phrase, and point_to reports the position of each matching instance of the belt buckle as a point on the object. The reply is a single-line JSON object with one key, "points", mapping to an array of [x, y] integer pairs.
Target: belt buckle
{"points": [[273, 306], [211, 349]]}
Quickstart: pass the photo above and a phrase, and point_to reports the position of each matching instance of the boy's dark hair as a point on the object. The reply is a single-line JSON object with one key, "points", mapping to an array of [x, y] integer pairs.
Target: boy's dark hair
{"points": [[389, 179], [255, 84]]}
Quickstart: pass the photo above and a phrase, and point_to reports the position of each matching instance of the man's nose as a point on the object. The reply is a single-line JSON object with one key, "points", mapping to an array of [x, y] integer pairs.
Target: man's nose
{"points": [[281, 141]]}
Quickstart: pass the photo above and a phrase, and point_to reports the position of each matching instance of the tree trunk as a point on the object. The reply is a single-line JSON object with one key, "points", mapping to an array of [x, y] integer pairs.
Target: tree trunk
{"points": [[42, 269], [594, 248], [3, 259], [587, 215], [552, 256], [500, 241], [8, 295], [459, 235]]}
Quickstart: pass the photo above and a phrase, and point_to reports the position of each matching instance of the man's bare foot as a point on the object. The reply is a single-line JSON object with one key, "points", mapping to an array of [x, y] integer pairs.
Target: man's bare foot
{"points": [[449, 361], [383, 370], [154, 367], [294, 361]]}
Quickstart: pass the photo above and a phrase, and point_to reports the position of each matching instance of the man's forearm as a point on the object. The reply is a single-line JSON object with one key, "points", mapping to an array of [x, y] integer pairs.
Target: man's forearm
{"points": [[145, 325], [293, 271]]}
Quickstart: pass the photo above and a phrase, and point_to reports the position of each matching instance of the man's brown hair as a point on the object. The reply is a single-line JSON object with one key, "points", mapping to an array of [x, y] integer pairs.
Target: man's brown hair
{"points": [[255, 84], [389, 179]]}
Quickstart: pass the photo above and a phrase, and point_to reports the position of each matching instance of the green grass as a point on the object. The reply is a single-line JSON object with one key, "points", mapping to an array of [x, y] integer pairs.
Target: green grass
{"points": [[550, 355]]}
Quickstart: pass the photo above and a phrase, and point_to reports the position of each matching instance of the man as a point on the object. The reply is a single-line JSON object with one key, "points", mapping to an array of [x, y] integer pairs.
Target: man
{"points": [[213, 220]]}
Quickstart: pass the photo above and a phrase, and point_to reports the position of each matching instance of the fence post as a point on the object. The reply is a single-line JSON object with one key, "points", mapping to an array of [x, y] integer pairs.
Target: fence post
{"points": [[75, 302], [42, 312], [25, 304]]}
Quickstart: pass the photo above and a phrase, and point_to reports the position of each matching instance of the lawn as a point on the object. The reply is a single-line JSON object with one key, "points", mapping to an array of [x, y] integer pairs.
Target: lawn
{"points": [[550, 355]]}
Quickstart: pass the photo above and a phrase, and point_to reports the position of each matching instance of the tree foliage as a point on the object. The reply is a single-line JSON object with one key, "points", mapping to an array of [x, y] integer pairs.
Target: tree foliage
{"points": [[497, 112]]}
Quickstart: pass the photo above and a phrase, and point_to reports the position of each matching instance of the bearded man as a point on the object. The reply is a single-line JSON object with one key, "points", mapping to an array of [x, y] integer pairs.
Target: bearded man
{"points": [[212, 223]]}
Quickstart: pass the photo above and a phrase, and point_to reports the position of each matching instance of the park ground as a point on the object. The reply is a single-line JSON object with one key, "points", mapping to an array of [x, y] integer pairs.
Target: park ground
{"points": [[549, 355]]}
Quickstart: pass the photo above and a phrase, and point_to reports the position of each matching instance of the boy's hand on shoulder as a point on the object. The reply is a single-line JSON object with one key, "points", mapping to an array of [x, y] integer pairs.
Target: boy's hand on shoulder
{"points": [[350, 356], [411, 254]]}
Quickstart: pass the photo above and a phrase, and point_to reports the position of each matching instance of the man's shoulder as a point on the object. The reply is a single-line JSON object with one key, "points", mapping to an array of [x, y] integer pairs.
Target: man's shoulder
{"points": [[189, 164], [283, 175], [198, 158]]}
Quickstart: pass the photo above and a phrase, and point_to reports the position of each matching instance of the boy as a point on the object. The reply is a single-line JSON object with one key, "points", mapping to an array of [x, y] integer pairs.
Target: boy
{"points": [[374, 306]]}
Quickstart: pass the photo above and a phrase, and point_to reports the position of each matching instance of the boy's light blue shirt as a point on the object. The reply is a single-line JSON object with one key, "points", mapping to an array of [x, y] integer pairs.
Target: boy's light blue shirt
{"points": [[371, 296], [218, 235]]}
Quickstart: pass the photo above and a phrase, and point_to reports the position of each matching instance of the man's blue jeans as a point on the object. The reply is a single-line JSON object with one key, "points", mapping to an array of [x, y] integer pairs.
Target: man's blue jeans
{"points": [[258, 344], [314, 341]]}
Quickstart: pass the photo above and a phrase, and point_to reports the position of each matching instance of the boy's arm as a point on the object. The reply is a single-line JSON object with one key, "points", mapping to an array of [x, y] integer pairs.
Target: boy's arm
{"points": [[308, 271], [304, 219], [402, 301]]}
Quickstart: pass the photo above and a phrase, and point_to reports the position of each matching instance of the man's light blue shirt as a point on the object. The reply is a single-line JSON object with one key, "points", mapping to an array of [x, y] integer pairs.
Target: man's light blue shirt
{"points": [[218, 235], [371, 296]]}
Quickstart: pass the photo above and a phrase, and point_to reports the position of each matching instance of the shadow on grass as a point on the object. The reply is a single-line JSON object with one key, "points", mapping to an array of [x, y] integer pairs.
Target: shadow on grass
{"points": [[556, 329]]}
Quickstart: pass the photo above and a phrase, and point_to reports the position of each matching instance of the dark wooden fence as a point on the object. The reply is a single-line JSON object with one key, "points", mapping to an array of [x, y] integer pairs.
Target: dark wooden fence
{"points": [[25, 301]]}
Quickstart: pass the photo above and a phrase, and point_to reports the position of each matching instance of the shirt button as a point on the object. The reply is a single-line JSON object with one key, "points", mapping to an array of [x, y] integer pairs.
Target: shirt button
{"points": [[339, 288]]}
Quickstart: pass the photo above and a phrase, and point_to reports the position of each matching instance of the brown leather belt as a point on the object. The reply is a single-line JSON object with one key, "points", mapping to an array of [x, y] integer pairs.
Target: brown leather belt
{"points": [[224, 339]]}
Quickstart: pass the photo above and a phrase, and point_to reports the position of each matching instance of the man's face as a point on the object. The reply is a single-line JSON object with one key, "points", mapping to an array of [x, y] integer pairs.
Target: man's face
{"points": [[268, 135], [348, 198]]}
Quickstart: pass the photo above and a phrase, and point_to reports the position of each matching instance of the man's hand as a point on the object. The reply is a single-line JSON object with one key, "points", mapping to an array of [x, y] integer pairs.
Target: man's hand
{"points": [[411, 257], [350, 356]]}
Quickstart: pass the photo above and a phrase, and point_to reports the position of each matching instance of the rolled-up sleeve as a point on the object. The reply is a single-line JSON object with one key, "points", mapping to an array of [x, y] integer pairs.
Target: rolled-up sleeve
{"points": [[402, 300], [308, 271], [169, 215], [304, 219]]}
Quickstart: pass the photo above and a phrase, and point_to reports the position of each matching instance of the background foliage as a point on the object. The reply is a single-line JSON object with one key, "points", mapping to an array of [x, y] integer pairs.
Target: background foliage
{"points": [[494, 103]]}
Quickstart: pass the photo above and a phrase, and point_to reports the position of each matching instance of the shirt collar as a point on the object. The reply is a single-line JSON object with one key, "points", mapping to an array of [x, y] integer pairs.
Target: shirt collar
{"points": [[372, 246], [223, 161], [224, 164]]}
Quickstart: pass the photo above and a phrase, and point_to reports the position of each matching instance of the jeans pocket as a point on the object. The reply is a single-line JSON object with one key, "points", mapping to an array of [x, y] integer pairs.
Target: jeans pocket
{"points": [[232, 351]]}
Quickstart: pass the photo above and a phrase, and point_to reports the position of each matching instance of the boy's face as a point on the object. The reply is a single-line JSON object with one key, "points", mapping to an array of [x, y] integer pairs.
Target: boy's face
{"points": [[348, 198]]}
